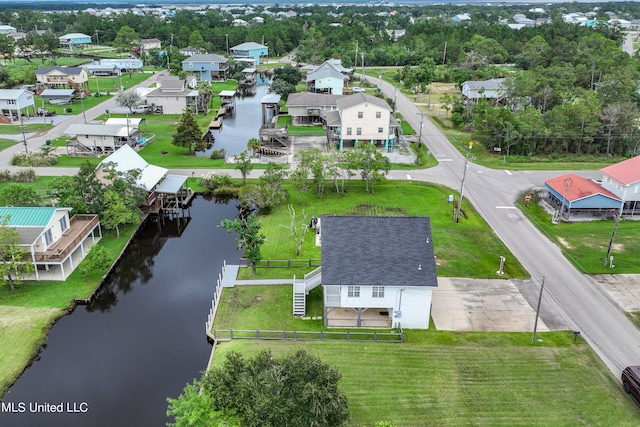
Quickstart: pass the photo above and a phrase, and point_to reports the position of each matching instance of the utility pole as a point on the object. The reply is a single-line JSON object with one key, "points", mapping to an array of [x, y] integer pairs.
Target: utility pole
{"points": [[535, 324], [419, 138], [362, 57], [613, 236], [444, 55], [227, 37], [355, 62], [24, 136], [464, 175], [82, 103]]}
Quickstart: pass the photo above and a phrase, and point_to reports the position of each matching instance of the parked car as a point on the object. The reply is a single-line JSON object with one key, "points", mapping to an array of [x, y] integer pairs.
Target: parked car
{"points": [[141, 109], [44, 112], [357, 89], [631, 382]]}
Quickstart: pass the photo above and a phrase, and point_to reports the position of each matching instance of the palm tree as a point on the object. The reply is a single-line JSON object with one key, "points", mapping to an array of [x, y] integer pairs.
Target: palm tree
{"points": [[254, 145]]}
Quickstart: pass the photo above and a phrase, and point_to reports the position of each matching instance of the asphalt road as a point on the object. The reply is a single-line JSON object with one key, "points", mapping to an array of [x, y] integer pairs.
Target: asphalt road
{"points": [[575, 297], [494, 193]]}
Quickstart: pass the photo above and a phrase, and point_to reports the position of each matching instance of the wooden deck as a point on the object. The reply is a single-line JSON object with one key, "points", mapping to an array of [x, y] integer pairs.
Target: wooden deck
{"points": [[80, 227], [215, 124]]}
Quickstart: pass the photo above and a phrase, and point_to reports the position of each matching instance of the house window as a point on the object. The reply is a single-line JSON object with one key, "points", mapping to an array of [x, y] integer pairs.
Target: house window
{"points": [[360, 114], [11, 101], [358, 131], [353, 291], [378, 114], [380, 130], [63, 224], [348, 131], [48, 238], [377, 292]]}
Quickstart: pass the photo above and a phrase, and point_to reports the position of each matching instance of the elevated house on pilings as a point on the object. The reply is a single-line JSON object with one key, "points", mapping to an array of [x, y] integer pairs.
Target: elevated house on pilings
{"points": [[247, 85], [273, 140], [56, 243], [394, 291], [228, 101]]}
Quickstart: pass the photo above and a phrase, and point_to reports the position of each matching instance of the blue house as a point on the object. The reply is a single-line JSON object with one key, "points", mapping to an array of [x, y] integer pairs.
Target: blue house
{"points": [[249, 52], [74, 41], [571, 193], [206, 67]]}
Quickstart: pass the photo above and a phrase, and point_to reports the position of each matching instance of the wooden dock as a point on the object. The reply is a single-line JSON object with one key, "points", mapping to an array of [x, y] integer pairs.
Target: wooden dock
{"points": [[215, 123], [221, 112]]}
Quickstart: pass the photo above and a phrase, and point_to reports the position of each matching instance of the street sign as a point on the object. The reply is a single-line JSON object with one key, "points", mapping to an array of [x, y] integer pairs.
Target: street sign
{"points": [[527, 197]]}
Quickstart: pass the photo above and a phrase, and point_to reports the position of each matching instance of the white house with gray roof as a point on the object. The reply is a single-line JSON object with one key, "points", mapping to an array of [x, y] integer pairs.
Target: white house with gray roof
{"points": [[474, 90], [327, 79], [377, 272], [16, 103], [98, 140], [172, 96]]}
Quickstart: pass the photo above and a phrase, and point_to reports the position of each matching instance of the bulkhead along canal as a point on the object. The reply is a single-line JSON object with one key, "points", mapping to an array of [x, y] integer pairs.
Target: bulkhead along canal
{"points": [[114, 362]]}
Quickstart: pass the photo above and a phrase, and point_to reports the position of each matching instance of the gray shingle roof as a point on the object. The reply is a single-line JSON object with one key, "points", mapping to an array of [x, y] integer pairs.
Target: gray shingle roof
{"points": [[359, 98], [377, 251], [206, 58], [64, 70]]}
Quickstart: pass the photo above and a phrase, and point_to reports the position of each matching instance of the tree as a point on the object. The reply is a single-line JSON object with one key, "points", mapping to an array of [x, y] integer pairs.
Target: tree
{"points": [[188, 133], [116, 213], [97, 260], [16, 194], [253, 145], [82, 192], [314, 162], [266, 391], [244, 165], [298, 235], [249, 237], [13, 264], [128, 99], [373, 165], [282, 88], [194, 407], [126, 39], [268, 193]]}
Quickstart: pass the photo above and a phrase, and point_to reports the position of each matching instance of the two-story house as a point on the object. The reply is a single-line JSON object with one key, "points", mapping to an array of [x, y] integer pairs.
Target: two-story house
{"points": [[250, 52], [308, 108], [146, 45], [362, 118], [207, 68], [56, 242], [173, 97], [623, 180], [377, 272], [16, 103], [74, 41], [7, 29], [62, 78], [327, 79], [474, 90]]}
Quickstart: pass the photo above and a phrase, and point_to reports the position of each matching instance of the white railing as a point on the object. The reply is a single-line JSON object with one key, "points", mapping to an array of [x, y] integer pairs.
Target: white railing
{"points": [[217, 294], [312, 279]]}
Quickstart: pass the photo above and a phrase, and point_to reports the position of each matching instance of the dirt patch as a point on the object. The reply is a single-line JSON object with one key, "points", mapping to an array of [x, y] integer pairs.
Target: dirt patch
{"points": [[373, 210], [23, 318], [564, 243], [618, 247]]}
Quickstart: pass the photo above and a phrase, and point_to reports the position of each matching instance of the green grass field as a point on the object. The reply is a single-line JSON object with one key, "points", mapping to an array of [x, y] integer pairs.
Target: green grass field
{"points": [[27, 314], [468, 379], [466, 249], [585, 244]]}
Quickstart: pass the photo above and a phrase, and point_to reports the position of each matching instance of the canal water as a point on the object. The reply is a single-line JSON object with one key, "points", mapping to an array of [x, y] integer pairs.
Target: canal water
{"points": [[115, 362], [244, 124]]}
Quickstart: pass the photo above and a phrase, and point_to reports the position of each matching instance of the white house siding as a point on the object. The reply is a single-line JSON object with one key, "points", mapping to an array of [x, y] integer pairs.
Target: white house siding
{"points": [[628, 193], [56, 230], [409, 306], [368, 124], [335, 85], [170, 104]]}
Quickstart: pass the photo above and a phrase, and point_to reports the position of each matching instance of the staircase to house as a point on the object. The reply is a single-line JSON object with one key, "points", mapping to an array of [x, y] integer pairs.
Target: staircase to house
{"points": [[302, 287], [270, 134], [77, 87], [75, 148]]}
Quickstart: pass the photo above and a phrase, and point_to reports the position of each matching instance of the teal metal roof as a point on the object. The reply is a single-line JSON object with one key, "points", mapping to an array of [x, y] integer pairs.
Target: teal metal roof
{"points": [[28, 216]]}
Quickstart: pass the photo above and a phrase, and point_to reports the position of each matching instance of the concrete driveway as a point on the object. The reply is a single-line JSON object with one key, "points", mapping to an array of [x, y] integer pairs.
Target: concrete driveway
{"points": [[460, 304]]}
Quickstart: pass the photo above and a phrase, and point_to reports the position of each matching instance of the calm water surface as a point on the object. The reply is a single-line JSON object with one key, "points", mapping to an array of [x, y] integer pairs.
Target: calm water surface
{"points": [[240, 127], [142, 339]]}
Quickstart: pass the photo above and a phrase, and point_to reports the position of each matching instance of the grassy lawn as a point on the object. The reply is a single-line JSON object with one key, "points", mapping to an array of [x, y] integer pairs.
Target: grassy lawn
{"points": [[16, 129], [448, 378], [585, 244], [466, 249], [6, 143], [27, 314], [306, 130]]}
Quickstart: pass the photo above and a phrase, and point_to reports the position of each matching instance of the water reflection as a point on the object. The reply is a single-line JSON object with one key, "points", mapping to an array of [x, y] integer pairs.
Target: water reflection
{"points": [[241, 126], [143, 339]]}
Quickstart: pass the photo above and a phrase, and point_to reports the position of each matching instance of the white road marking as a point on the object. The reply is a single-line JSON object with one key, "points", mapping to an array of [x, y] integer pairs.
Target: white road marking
{"points": [[506, 207], [409, 177], [507, 172], [445, 160]]}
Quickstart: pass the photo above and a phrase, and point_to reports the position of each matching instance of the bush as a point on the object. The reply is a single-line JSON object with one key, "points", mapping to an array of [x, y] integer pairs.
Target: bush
{"points": [[27, 175], [97, 260], [218, 154], [211, 181], [33, 159]]}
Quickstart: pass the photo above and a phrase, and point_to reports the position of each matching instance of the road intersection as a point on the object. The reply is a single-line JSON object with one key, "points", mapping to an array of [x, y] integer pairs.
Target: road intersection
{"points": [[573, 298]]}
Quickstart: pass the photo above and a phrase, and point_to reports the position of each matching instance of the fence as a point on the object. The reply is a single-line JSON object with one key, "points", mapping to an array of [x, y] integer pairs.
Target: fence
{"points": [[257, 334], [217, 293], [283, 263]]}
